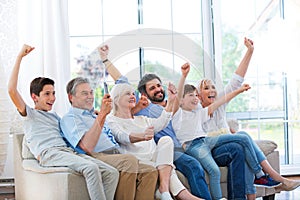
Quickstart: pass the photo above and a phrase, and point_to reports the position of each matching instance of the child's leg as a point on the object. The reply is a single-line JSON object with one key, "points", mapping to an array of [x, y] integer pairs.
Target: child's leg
{"points": [[202, 152], [101, 178]]}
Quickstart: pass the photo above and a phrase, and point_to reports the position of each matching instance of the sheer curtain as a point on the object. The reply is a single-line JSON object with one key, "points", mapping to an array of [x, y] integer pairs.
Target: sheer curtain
{"points": [[44, 25]]}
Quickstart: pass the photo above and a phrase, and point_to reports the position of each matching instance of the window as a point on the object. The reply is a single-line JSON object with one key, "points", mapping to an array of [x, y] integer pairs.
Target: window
{"points": [[143, 38], [159, 36], [270, 109]]}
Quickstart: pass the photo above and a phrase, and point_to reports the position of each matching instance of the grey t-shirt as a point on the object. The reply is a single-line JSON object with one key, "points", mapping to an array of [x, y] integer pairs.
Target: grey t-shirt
{"points": [[42, 131]]}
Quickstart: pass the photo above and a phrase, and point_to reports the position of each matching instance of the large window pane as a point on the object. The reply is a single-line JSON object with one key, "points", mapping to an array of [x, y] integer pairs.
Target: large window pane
{"points": [[85, 17], [157, 14], [274, 27], [119, 16], [185, 12]]}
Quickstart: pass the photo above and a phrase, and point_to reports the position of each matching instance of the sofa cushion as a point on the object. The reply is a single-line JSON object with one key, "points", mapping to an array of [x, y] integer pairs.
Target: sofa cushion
{"points": [[267, 146], [33, 165], [26, 153]]}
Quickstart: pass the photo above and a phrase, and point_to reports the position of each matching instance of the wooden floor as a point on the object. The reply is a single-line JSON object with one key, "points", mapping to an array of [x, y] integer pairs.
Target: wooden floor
{"points": [[7, 193]]}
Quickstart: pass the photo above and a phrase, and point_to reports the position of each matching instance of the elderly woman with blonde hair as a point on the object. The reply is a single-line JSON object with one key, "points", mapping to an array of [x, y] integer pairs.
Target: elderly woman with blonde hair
{"points": [[135, 136]]}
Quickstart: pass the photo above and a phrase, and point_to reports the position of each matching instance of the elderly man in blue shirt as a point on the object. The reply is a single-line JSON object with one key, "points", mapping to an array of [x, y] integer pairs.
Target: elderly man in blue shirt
{"points": [[85, 130]]}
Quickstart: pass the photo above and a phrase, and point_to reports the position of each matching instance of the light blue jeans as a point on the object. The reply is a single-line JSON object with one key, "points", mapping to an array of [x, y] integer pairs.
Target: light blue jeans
{"points": [[200, 148], [101, 178]]}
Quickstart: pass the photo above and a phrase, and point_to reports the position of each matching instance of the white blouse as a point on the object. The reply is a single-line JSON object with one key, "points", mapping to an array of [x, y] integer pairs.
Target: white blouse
{"points": [[121, 128]]}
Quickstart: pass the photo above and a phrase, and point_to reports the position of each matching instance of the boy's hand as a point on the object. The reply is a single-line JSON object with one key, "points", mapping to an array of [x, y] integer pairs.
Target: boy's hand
{"points": [[172, 91], [185, 68], [103, 51], [26, 49]]}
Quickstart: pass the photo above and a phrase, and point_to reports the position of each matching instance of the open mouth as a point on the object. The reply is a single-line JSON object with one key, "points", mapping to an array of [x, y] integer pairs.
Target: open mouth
{"points": [[158, 94]]}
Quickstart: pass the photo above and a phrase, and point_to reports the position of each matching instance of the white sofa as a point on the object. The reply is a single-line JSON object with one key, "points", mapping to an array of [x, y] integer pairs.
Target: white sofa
{"points": [[52, 183], [61, 183]]}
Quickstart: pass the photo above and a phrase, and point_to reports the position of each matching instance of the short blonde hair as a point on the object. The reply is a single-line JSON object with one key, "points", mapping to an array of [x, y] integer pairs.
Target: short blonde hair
{"points": [[117, 91], [203, 83]]}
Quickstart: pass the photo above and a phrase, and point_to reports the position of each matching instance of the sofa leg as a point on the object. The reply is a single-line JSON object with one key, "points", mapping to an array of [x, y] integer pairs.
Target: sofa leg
{"points": [[270, 197]]}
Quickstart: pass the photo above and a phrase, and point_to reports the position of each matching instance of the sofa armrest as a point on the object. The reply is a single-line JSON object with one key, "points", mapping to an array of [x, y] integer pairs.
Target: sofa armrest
{"points": [[267, 146]]}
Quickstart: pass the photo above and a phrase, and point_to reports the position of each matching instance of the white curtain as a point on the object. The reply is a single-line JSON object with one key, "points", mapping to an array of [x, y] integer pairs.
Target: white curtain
{"points": [[4, 118], [44, 25]]}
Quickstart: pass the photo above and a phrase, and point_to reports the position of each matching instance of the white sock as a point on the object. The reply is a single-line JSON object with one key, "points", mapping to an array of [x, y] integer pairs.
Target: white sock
{"points": [[166, 196], [259, 174]]}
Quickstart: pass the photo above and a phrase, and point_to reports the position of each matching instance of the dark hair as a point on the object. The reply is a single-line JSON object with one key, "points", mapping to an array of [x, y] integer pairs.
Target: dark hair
{"points": [[37, 85], [145, 79], [188, 88], [71, 86]]}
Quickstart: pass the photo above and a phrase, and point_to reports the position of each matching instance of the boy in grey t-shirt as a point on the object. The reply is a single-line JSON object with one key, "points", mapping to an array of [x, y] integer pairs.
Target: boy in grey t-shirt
{"points": [[43, 135]]}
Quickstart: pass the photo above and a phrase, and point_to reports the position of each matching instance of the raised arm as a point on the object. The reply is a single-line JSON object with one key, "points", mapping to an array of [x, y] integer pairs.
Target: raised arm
{"points": [[110, 68], [226, 98], [91, 137], [172, 94], [243, 66], [185, 69], [13, 81], [116, 74]]}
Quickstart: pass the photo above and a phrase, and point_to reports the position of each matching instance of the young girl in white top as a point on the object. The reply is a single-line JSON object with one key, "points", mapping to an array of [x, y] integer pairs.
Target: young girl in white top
{"points": [[217, 124]]}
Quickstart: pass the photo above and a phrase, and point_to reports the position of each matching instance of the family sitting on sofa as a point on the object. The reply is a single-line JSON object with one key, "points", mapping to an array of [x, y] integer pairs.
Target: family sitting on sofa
{"points": [[129, 150]]}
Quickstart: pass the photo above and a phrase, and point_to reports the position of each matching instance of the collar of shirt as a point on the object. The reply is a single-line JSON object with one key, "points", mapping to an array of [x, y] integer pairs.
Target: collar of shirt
{"points": [[83, 111]]}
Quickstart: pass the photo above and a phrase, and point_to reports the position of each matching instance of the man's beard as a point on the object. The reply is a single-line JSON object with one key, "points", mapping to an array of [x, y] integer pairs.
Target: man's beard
{"points": [[157, 100]]}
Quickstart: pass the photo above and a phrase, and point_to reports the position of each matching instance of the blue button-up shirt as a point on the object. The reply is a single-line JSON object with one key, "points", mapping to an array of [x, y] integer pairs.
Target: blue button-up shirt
{"points": [[77, 122]]}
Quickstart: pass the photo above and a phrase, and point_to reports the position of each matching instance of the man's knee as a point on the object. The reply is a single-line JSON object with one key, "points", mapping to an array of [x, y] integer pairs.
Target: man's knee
{"points": [[227, 153], [188, 165], [129, 163]]}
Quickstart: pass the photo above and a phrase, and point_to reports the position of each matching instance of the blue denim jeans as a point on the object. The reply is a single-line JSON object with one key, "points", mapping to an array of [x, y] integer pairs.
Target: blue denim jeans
{"points": [[232, 156], [249, 175], [259, 154], [249, 180], [200, 149], [194, 172], [253, 154]]}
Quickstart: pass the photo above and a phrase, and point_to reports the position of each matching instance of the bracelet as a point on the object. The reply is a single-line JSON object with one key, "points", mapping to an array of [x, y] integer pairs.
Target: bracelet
{"points": [[105, 60]]}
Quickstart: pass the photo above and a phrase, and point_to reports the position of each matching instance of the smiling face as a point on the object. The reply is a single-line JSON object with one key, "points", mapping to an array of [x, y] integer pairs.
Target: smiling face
{"points": [[83, 97], [207, 92], [46, 98], [123, 96], [127, 100], [190, 101], [155, 91]]}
